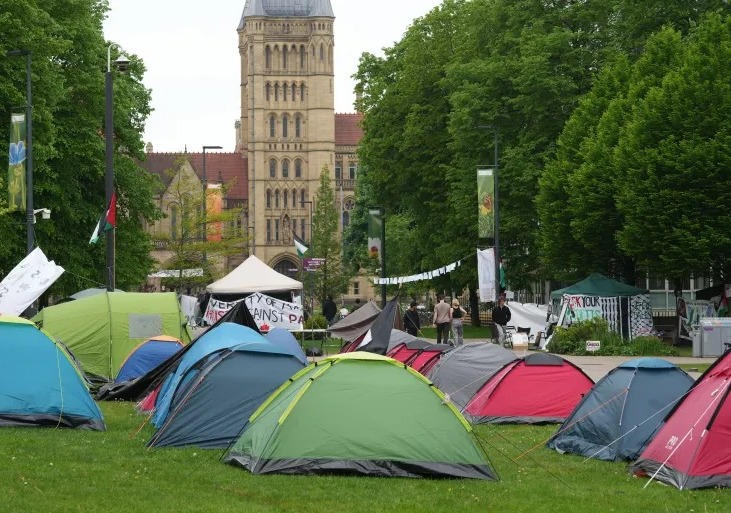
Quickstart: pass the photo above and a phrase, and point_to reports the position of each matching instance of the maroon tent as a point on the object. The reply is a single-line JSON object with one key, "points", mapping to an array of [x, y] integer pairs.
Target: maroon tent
{"points": [[539, 388], [428, 357], [405, 351], [693, 448]]}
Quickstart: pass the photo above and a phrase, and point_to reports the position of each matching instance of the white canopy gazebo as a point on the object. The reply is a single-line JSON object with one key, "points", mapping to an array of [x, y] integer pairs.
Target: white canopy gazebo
{"points": [[251, 276]]}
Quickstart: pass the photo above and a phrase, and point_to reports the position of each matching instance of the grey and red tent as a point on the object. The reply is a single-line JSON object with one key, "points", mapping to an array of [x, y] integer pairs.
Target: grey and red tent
{"points": [[428, 357], [540, 388], [693, 448]]}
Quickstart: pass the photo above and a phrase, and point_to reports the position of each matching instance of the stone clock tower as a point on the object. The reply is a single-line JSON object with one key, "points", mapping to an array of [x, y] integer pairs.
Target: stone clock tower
{"points": [[287, 126]]}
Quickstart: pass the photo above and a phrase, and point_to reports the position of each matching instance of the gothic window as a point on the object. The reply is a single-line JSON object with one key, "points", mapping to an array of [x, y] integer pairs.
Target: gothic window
{"points": [[338, 170], [302, 197], [268, 57], [272, 168], [294, 197], [268, 91], [285, 172], [352, 167], [302, 228], [272, 126], [297, 169], [285, 125], [276, 198], [346, 219], [269, 198], [302, 92], [322, 52], [294, 88], [285, 198], [276, 229], [285, 57], [276, 92], [269, 230], [298, 127], [303, 57]]}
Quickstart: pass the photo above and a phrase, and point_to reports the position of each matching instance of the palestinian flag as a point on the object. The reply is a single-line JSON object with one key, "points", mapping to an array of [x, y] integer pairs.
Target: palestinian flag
{"points": [[299, 244], [107, 221]]}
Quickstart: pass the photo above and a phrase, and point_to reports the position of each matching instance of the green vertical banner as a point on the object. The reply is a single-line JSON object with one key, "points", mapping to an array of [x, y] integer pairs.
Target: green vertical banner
{"points": [[486, 201], [16, 163], [375, 228]]}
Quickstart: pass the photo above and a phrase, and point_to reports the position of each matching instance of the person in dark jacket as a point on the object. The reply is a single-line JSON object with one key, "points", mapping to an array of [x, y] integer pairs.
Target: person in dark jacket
{"points": [[501, 313], [411, 320], [329, 310]]}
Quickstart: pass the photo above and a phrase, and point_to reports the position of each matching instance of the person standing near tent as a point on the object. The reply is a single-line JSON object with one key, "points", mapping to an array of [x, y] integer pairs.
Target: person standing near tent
{"points": [[329, 309], [442, 319], [501, 316], [412, 324], [458, 314]]}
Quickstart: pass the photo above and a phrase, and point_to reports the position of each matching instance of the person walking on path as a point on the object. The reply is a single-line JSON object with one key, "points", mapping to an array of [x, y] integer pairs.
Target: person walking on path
{"points": [[458, 314], [442, 319], [412, 324], [329, 310]]}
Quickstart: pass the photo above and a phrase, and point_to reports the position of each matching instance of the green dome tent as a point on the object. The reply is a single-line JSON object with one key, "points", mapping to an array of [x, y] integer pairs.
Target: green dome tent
{"points": [[359, 413], [103, 329]]}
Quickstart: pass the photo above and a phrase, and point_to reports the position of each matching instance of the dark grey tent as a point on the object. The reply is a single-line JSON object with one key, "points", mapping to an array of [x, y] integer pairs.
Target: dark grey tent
{"points": [[620, 414], [218, 395], [461, 372], [355, 324]]}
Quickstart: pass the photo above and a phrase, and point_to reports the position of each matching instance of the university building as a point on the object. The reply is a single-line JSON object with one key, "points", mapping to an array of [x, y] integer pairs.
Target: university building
{"points": [[286, 134]]}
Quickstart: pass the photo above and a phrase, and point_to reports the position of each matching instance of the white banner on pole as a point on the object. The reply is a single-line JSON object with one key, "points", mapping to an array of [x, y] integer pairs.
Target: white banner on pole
{"points": [[486, 274], [26, 282], [268, 312]]}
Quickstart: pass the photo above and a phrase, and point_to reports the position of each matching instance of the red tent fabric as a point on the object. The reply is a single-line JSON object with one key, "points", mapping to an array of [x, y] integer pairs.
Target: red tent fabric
{"points": [[693, 448], [407, 351], [540, 388], [428, 357], [147, 404]]}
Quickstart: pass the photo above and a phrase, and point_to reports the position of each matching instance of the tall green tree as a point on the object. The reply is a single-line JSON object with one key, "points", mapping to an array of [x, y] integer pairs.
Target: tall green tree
{"points": [[331, 279], [69, 57]]}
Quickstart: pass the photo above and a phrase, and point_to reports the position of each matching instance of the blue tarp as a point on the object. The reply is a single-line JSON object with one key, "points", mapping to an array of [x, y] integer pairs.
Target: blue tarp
{"points": [[39, 385]]}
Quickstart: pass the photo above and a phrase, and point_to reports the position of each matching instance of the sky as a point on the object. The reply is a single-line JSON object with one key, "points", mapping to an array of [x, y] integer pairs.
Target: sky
{"points": [[192, 59]]}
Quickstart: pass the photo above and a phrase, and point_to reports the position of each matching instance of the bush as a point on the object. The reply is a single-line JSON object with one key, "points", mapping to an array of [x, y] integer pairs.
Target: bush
{"points": [[316, 322], [572, 341]]}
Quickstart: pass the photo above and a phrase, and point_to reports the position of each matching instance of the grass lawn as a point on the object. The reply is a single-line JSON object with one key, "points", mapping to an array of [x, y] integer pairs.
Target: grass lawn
{"points": [[49, 470], [469, 332], [695, 367]]}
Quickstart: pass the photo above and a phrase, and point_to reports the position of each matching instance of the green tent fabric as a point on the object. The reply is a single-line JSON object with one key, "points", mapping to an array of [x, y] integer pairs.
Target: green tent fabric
{"points": [[102, 330], [359, 413], [599, 285]]}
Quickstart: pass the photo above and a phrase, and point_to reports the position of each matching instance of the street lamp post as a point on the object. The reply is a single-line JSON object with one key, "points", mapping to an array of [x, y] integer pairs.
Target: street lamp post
{"points": [[205, 194], [302, 204], [29, 215], [121, 63]]}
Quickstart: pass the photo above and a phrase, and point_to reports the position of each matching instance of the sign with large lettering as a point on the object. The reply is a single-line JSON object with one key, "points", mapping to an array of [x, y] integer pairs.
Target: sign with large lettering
{"points": [[584, 308], [268, 312]]}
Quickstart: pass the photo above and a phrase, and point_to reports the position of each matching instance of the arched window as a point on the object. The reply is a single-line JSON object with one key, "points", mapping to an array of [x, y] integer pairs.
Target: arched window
{"points": [[174, 222], [272, 168], [302, 92], [268, 91], [297, 127], [268, 56], [303, 57], [285, 126], [298, 168], [285, 90], [346, 219], [285, 57], [269, 198], [330, 55], [294, 197], [302, 198], [294, 88], [272, 126], [285, 198], [276, 92], [322, 52], [285, 170], [276, 198]]}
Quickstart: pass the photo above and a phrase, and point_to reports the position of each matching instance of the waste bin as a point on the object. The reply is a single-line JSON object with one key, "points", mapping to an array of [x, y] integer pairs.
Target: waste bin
{"points": [[715, 333]]}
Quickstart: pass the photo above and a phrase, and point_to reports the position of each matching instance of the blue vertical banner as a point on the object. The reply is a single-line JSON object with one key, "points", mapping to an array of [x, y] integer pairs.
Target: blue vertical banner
{"points": [[16, 163]]}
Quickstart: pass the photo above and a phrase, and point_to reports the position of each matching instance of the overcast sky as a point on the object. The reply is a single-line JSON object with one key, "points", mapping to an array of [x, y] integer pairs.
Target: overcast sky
{"points": [[192, 58]]}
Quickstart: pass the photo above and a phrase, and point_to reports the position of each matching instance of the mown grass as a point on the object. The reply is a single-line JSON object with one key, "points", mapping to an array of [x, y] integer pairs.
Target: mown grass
{"points": [[49, 470]]}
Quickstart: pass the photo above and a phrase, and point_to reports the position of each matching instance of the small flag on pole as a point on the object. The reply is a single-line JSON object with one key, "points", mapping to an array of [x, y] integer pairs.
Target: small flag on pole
{"points": [[299, 244], [107, 221]]}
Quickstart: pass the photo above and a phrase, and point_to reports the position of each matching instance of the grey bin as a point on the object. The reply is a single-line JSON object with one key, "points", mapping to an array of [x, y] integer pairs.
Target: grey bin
{"points": [[712, 335]]}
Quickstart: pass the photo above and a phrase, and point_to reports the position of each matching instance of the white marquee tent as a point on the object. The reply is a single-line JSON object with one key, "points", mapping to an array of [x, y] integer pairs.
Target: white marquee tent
{"points": [[251, 276]]}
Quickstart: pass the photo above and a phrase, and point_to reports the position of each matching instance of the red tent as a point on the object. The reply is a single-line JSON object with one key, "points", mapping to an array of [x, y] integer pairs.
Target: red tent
{"points": [[406, 351], [428, 357], [693, 448], [539, 388]]}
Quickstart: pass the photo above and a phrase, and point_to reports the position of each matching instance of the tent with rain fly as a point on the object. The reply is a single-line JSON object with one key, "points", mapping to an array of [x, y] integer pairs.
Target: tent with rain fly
{"points": [[359, 413], [627, 309], [356, 324], [618, 416], [224, 336], [148, 355], [692, 449], [216, 397], [39, 384], [428, 357], [284, 339], [462, 372], [538, 389], [405, 351], [137, 388], [103, 329]]}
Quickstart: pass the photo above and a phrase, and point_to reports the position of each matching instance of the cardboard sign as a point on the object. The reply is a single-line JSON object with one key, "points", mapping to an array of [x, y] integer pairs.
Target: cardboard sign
{"points": [[593, 346]]}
